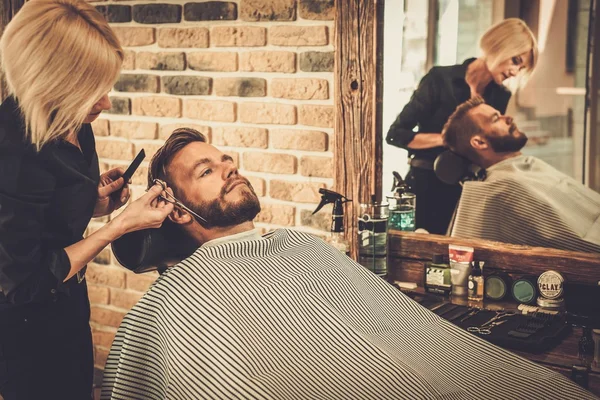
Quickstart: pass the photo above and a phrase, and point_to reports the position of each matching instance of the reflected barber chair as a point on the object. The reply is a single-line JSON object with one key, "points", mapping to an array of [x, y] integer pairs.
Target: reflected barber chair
{"points": [[451, 168], [153, 249]]}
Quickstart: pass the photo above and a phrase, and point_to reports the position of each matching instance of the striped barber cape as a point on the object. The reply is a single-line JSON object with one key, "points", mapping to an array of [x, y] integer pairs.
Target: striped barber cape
{"points": [[289, 317], [525, 201]]}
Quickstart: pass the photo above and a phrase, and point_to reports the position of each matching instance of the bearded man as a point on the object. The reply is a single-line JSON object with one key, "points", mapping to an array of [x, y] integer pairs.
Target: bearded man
{"points": [[286, 316], [522, 200]]}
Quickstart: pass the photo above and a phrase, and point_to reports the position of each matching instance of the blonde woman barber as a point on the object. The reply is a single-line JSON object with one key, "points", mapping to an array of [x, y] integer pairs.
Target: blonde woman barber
{"points": [[60, 59], [508, 49]]}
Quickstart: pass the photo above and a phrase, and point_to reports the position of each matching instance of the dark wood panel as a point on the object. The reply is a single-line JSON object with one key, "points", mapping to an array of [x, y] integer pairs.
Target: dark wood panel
{"points": [[575, 266], [407, 271]]}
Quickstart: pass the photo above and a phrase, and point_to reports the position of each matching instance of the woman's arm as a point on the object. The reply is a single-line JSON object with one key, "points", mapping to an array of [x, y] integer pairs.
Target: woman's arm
{"points": [[146, 212], [30, 269], [426, 141], [420, 107]]}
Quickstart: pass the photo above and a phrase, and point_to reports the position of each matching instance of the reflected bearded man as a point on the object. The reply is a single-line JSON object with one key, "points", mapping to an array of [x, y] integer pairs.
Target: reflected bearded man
{"points": [[286, 316], [522, 200]]}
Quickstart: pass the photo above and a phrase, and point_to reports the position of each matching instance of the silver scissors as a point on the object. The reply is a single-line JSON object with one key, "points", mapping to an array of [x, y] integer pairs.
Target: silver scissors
{"points": [[485, 328], [173, 200]]}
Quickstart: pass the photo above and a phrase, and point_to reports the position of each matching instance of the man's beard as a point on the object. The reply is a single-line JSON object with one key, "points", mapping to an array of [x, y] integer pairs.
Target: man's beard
{"points": [[509, 143], [220, 213]]}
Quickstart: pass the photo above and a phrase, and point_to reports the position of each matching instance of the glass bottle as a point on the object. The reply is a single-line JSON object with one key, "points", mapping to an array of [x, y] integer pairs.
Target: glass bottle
{"points": [[402, 205], [586, 347], [475, 283], [372, 236]]}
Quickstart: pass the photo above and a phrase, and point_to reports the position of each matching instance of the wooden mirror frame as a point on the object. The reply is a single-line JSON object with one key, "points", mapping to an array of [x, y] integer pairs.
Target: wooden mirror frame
{"points": [[359, 150], [358, 75]]}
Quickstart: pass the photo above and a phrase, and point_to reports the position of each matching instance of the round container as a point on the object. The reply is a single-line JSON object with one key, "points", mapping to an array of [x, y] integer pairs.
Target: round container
{"points": [[552, 304], [550, 285], [497, 286], [524, 290]]}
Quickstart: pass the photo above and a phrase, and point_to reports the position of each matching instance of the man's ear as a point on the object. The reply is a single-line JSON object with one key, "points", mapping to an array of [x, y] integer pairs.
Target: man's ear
{"points": [[478, 142], [180, 217]]}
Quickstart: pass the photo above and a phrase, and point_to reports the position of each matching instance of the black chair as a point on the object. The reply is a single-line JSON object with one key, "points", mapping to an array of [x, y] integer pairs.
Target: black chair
{"points": [[153, 249]]}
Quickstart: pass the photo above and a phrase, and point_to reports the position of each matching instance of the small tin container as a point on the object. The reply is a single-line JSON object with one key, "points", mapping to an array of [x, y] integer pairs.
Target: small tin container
{"points": [[551, 304], [497, 286], [524, 290], [551, 285]]}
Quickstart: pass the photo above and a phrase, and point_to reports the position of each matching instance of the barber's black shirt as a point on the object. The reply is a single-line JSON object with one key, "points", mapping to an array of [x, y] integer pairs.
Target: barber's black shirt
{"points": [[47, 199], [436, 98]]}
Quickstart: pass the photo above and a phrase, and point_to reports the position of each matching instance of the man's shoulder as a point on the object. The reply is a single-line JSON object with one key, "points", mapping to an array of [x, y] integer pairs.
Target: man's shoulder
{"points": [[497, 191]]}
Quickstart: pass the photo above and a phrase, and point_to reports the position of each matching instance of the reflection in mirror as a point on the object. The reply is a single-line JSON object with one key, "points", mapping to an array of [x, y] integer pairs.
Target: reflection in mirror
{"points": [[548, 105]]}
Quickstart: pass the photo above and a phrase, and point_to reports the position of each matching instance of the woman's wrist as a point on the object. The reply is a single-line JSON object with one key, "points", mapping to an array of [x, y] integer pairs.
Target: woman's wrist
{"points": [[116, 228]]}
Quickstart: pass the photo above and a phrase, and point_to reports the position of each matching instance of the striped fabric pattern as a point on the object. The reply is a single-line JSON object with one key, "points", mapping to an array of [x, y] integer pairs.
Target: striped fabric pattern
{"points": [[527, 202], [289, 317]]}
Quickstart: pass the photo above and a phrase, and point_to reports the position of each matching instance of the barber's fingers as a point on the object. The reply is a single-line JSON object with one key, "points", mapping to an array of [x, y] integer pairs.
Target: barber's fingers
{"points": [[123, 197], [113, 174], [125, 193], [157, 214], [166, 208], [109, 188], [152, 194], [111, 181]]}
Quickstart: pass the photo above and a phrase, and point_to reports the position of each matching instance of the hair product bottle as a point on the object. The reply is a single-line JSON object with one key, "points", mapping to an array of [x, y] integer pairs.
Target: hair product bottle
{"points": [[476, 284]]}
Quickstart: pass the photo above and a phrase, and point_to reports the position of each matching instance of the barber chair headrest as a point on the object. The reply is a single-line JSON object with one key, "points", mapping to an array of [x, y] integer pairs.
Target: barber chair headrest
{"points": [[153, 249], [451, 168]]}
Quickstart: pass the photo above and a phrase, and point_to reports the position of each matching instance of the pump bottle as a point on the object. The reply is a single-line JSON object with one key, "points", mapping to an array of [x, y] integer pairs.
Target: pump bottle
{"points": [[402, 205], [336, 237]]}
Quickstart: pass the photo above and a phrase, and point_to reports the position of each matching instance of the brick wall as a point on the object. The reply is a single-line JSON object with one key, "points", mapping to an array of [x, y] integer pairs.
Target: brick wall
{"points": [[256, 76]]}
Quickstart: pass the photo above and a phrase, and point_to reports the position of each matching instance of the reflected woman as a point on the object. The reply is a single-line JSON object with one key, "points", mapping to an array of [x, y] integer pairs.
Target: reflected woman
{"points": [[508, 49]]}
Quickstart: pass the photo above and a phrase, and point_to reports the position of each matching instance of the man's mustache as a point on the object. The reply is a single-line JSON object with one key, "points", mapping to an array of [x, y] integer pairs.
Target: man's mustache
{"points": [[234, 181]]}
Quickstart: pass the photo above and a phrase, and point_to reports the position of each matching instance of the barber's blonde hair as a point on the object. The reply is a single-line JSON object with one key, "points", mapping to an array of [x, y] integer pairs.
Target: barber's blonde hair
{"points": [[506, 39], [60, 57]]}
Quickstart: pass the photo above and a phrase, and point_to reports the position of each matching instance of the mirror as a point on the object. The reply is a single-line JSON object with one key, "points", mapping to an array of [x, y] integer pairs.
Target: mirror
{"points": [[550, 106]]}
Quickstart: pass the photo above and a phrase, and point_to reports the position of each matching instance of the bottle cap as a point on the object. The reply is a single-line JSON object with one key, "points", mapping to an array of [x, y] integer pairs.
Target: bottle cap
{"points": [[476, 269]]}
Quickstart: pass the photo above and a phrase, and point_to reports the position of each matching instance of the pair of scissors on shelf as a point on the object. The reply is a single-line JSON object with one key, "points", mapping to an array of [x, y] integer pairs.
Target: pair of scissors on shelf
{"points": [[486, 328]]}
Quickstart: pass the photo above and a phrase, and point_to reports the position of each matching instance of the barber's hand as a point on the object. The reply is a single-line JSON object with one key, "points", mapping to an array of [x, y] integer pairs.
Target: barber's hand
{"points": [[110, 195], [149, 211]]}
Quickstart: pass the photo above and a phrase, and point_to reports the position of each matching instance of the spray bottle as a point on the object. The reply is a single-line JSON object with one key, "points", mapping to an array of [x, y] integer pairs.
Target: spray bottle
{"points": [[336, 237], [402, 205]]}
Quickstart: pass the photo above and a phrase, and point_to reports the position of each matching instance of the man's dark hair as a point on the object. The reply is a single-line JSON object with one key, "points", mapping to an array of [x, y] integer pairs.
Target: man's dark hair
{"points": [[460, 128], [160, 161]]}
